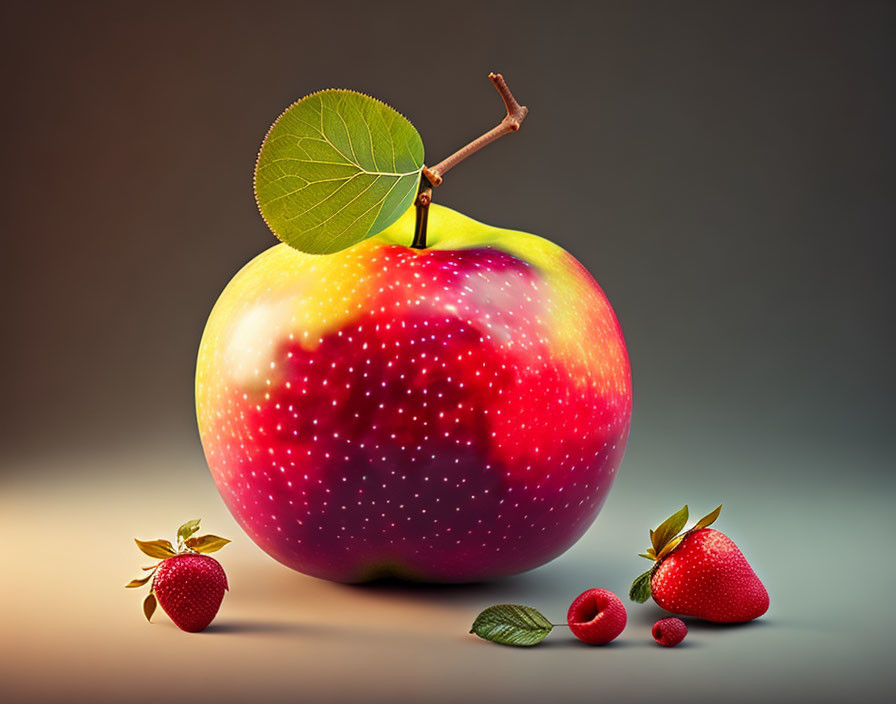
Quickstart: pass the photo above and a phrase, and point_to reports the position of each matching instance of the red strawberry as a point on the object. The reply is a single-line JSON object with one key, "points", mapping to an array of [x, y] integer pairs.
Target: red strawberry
{"points": [[190, 589], [188, 584], [669, 632], [596, 616], [700, 573]]}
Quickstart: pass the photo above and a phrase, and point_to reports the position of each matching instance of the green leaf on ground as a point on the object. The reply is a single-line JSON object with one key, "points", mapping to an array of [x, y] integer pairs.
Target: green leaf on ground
{"points": [[335, 168], [512, 624]]}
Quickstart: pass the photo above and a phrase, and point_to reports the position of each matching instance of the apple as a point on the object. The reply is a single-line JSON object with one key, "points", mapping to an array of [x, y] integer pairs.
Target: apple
{"points": [[451, 414]]}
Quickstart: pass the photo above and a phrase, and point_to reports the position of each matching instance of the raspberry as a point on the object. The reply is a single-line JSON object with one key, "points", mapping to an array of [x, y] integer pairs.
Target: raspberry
{"points": [[669, 632], [597, 616]]}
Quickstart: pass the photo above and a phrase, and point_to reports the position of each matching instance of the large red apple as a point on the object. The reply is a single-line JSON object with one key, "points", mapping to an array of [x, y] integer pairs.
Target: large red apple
{"points": [[452, 414]]}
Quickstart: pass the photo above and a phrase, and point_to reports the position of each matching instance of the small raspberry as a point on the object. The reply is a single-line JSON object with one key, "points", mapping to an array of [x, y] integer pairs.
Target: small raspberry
{"points": [[597, 616], [669, 632]]}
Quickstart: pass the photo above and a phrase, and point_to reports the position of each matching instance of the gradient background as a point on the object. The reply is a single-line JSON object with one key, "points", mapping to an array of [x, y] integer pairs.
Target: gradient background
{"points": [[727, 172]]}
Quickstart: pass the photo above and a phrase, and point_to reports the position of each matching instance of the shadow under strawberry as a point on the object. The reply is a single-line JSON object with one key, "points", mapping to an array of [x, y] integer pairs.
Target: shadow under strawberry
{"points": [[264, 627]]}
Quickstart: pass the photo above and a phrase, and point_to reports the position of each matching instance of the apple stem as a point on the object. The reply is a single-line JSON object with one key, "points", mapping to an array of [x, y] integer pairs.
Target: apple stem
{"points": [[516, 113], [424, 198], [432, 177]]}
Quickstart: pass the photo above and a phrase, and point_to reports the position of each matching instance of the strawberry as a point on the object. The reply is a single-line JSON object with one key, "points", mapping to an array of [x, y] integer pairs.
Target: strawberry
{"points": [[190, 589], [700, 573], [188, 584]]}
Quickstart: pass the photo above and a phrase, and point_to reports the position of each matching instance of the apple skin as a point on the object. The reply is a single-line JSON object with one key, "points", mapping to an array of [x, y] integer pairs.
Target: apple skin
{"points": [[452, 414]]}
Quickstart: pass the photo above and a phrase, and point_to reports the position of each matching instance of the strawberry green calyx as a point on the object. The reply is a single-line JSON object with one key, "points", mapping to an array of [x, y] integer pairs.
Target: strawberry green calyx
{"points": [[664, 539], [187, 544], [640, 591]]}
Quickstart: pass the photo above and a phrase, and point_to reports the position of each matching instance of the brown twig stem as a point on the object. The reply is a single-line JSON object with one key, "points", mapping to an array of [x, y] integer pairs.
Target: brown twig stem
{"points": [[432, 176], [516, 113]]}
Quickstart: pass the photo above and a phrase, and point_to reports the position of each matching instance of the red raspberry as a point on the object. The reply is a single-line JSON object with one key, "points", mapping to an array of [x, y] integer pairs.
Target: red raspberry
{"points": [[597, 616], [669, 632]]}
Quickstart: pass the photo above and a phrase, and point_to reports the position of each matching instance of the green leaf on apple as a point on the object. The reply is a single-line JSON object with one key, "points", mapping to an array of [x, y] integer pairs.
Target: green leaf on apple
{"points": [[335, 168], [512, 624]]}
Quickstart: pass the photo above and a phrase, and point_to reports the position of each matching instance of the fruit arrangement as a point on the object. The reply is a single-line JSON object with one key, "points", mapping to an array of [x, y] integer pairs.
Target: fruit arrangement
{"points": [[400, 391], [187, 583], [397, 390], [698, 573]]}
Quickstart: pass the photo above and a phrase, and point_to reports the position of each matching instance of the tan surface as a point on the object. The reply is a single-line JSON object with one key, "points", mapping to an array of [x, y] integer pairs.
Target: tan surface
{"points": [[72, 633]]}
